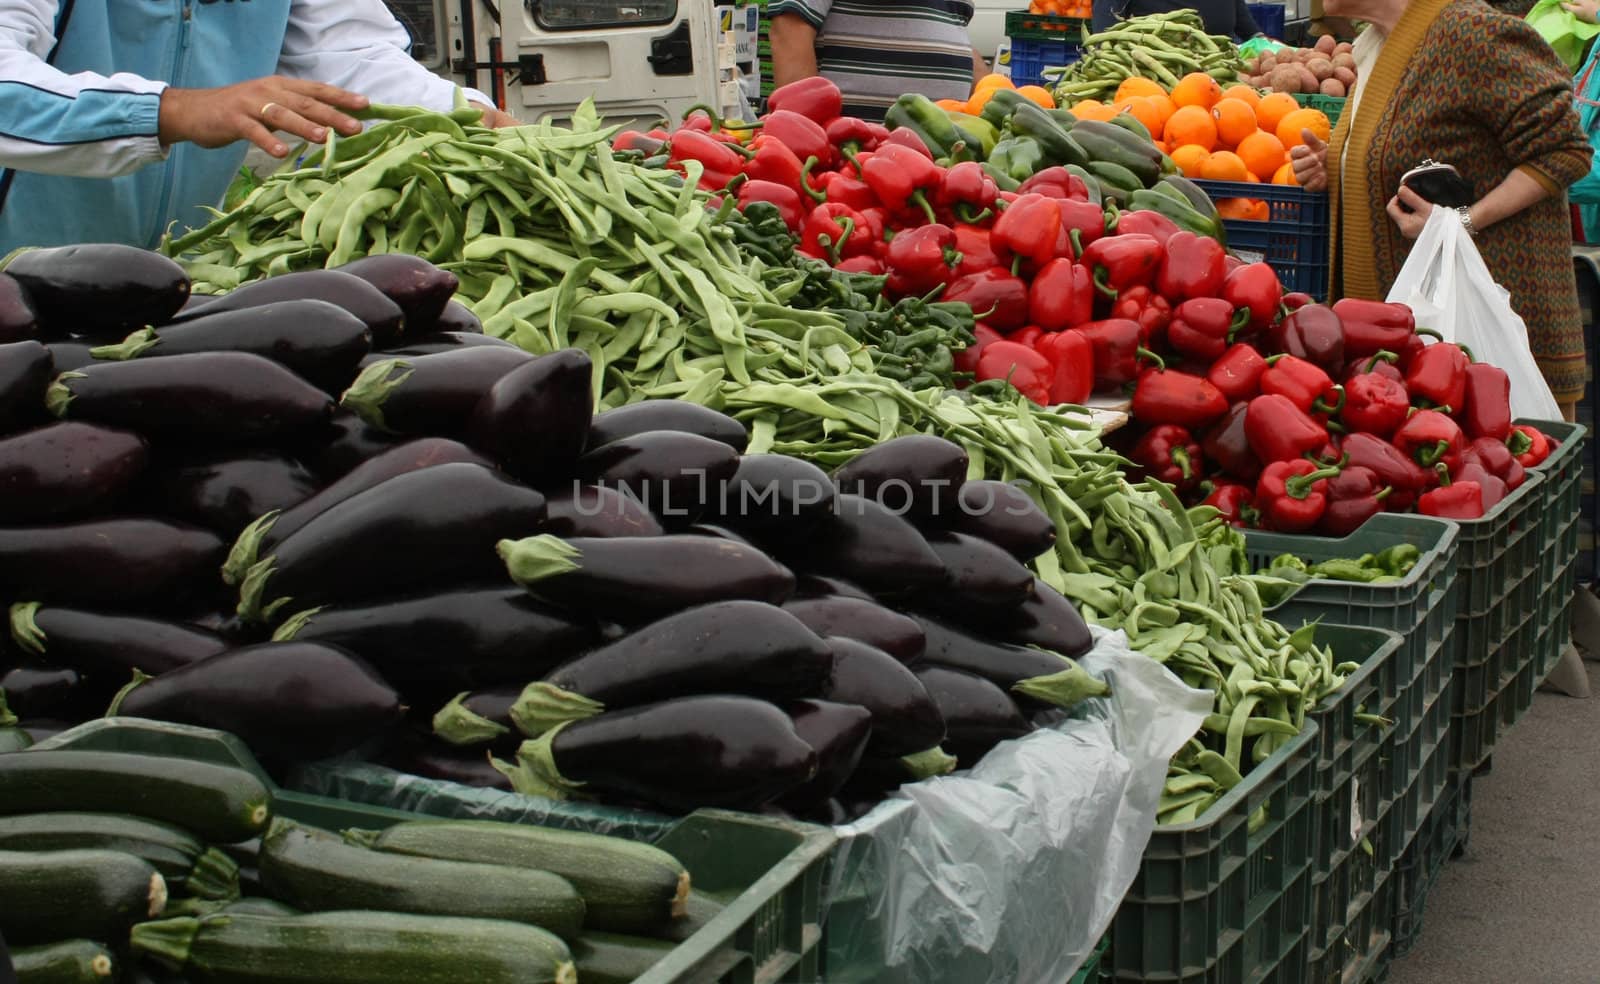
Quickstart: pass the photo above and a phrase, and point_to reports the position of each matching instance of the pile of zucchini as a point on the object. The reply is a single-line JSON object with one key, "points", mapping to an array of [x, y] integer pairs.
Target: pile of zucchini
{"points": [[119, 865]]}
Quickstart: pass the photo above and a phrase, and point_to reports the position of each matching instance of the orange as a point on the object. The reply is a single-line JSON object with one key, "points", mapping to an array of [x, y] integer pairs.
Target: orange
{"points": [[1138, 85], [1251, 178], [1262, 153], [1190, 158], [1165, 106], [1285, 175], [994, 80], [1224, 165], [1235, 121], [1093, 109], [1315, 120], [1161, 145], [1197, 89], [1272, 108], [1191, 125], [1244, 92], [1038, 94], [1144, 111], [954, 105], [1249, 209]]}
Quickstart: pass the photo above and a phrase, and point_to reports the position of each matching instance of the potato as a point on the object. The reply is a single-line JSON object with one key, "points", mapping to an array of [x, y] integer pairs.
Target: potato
{"points": [[1322, 68], [1346, 77], [1286, 78], [1327, 44], [1343, 48], [1308, 80], [1332, 87], [1344, 60], [1266, 64]]}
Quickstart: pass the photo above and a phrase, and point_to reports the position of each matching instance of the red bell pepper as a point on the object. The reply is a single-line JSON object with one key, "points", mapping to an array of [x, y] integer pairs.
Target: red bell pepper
{"points": [[803, 135], [634, 140], [1383, 363], [774, 161], [1313, 333], [1234, 500], [1452, 500], [1295, 300], [1168, 396], [836, 187], [903, 180], [976, 249], [1056, 182], [1355, 495], [1169, 453], [861, 264], [1072, 359], [909, 140], [1393, 468], [1428, 437], [1306, 385], [1143, 222], [815, 97], [1061, 296], [997, 297], [1375, 404], [877, 224], [1280, 431], [968, 193], [1495, 456], [1238, 372], [1293, 495], [966, 360], [700, 120], [1492, 486], [1028, 227], [920, 260], [1117, 350], [1438, 374], [1141, 304], [1487, 402], [718, 158], [1529, 445], [1202, 326], [850, 135], [1028, 372], [1254, 286], [1081, 224], [1028, 335], [834, 232], [1373, 326], [1122, 261], [1193, 268], [783, 196], [1227, 445]]}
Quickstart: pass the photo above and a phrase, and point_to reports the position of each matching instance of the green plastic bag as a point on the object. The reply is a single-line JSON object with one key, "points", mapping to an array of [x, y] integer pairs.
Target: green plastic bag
{"points": [[1566, 33], [1256, 46]]}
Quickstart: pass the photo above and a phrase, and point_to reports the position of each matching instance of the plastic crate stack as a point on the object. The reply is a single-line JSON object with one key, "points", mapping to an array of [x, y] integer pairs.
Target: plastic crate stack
{"points": [[1294, 241], [1041, 41]]}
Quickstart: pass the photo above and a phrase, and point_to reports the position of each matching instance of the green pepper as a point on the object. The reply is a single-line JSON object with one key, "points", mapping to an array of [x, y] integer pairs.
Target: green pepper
{"points": [[918, 114], [1059, 146], [1002, 103], [1345, 569], [979, 134], [1027, 159], [1398, 559], [1184, 215]]}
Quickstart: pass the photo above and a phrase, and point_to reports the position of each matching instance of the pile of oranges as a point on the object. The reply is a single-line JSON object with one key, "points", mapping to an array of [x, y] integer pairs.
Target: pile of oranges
{"points": [[985, 89], [1233, 134], [1062, 8]]}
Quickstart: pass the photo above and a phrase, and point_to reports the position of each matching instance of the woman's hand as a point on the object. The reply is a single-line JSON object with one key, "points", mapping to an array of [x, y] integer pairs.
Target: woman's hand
{"points": [[493, 118], [1411, 222], [1587, 11], [1310, 161], [255, 110]]}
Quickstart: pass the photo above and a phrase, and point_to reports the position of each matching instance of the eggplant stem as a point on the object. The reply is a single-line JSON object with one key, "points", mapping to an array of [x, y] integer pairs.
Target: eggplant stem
{"points": [[532, 559], [139, 677], [253, 591], [294, 623], [366, 396], [59, 395], [460, 725], [543, 706], [169, 941], [7, 719], [131, 347], [25, 628], [1063, 689], [535, 772], [928, 763], [246, 548]]}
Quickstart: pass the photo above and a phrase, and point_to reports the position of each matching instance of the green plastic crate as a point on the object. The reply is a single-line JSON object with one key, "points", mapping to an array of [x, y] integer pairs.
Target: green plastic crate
{"points": [[1025, 26], [1331, 106], [1089, 973], [1216, 902], [1563, 477], [768, 873], [1444, 834], [1349, 787], [1358, 951], [1419, 764]]}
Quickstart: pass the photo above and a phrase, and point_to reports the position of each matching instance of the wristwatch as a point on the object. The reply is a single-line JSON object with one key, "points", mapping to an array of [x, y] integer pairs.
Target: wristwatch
{"points": [[1466, 220]]}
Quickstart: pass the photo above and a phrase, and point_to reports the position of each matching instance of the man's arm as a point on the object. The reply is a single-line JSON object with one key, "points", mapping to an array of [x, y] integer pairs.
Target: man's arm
{"points": [[980, 67], [794, 48]]}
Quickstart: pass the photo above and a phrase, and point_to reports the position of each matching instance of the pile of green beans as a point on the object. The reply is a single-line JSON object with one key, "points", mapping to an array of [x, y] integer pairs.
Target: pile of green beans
{"points": [[1160, 47]]}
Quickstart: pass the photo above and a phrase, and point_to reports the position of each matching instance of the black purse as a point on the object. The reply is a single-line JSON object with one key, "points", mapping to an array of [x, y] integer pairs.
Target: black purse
{"points": [[1440, 184]]}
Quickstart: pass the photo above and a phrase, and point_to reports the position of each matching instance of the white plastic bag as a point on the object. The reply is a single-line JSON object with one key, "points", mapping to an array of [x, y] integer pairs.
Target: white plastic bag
{"points": [[1449, 288]]}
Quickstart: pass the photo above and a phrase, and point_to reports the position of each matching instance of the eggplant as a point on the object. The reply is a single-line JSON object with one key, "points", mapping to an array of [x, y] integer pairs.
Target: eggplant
{"points": [[18, 320], [720, 532], [816, 586], [447, 341], [981, 574], [410, 532], [26, 369], [905, 720], [865, 543], [862, 620], [533, 419], [1037, 678], [1047, 620], [230, 626], [114, 562], [638, 578], [776, 495], [595, 510], [918, 474], [732, 647], [36, 691], [382, 316], [417, 286], [667, 415], [289, 701], [66, 470], [977, 714], [444, 642], [674, 474], [344, 443], [736, 753], [106, 649], [205, 397], [269, 529], [1006, 516], [99, 289], [226, 492], [458, 317], [433, 759], [838, 733], [320, 342], [71, 353], [428, 394]]}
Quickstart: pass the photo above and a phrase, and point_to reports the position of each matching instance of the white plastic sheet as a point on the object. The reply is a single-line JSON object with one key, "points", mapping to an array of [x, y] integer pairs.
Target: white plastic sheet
{"points": [[1450, 289]]}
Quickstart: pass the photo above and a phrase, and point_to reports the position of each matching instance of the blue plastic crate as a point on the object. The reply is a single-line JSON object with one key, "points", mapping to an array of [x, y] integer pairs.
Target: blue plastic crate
{"points": [[1294, 241], [1269, 17], [1030, 57]]}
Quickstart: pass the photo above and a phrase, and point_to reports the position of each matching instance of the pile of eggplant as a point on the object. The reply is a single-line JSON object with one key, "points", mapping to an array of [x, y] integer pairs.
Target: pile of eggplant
{"points": [[326, 514]]}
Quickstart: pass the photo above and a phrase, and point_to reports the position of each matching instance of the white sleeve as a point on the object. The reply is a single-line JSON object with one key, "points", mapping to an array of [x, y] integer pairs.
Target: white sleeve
{"points": [[360, 46], [85, 125]]}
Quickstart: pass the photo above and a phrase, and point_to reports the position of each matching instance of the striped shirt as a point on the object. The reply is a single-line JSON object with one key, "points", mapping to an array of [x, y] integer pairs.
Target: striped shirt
{"points": [[876, 50]]}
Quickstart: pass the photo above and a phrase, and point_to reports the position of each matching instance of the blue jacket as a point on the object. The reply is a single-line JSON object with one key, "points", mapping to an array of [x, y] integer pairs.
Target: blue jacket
{"points": [[1585, 193], [80, 96]]}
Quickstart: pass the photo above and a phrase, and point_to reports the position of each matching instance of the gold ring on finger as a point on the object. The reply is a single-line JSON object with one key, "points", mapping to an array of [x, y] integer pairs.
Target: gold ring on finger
{"points": [[265, 108]]}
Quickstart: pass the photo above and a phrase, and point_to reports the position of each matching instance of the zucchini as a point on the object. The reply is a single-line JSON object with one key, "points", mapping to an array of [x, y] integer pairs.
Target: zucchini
{"points": [[356, 948], [220, 804], [56, 895], [183, 859], [315, 871], [609, 958], [14, 740], [626, 887], [71, 962]]}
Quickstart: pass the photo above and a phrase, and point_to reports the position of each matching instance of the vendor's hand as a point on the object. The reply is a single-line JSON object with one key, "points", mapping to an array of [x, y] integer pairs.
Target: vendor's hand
{"points": [[1587, 11], [1411, 222], [256, 111], [1310, 161], [493, 118]]}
